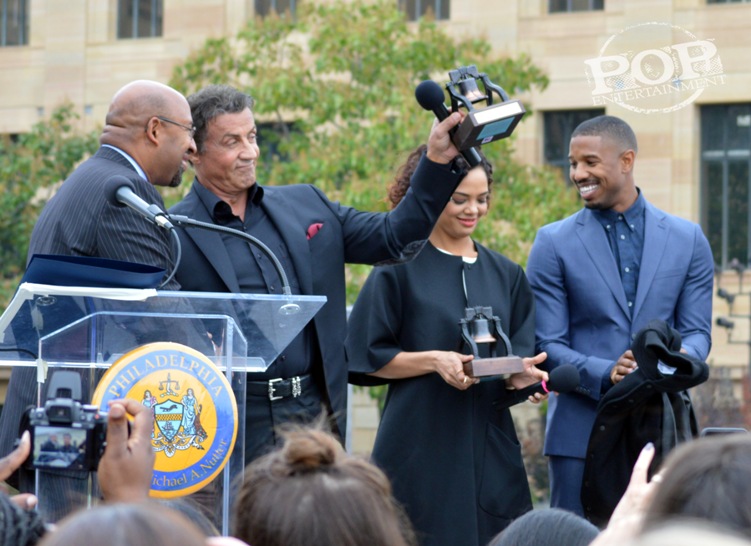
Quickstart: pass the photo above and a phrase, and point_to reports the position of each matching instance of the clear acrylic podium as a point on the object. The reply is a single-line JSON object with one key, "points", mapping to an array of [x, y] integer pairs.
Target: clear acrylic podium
{"points": [[47, 328]]}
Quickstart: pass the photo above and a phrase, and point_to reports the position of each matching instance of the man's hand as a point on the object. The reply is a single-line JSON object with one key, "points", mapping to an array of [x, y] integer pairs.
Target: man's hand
{"points": [[530, 376], [624, 366], [440, 147], [127, 466]]}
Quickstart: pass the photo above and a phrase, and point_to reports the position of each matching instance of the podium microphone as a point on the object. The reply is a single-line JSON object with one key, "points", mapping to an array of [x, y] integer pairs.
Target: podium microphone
{"points": [[564, 379], [289, 308], [121, 192], [430, 96]]}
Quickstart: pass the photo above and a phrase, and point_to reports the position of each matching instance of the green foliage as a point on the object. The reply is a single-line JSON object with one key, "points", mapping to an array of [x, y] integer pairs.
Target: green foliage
{"points": [[30, 165], [346, 74], [523, 199]]}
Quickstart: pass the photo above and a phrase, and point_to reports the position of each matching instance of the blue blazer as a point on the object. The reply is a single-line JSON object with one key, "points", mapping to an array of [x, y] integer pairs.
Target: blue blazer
{"points": [[583, 317]]}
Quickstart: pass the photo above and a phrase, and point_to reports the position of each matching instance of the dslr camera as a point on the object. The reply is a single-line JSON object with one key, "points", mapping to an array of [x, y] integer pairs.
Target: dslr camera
{"points": [[65, 434]]}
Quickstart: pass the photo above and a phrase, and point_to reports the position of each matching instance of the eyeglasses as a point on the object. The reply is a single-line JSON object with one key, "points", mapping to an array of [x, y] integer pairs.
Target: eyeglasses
{"points": [[191, 130]]}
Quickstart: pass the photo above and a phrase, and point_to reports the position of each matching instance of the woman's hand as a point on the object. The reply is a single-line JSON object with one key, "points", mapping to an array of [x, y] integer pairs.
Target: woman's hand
{"points": [[530, 376], [450, 366]]}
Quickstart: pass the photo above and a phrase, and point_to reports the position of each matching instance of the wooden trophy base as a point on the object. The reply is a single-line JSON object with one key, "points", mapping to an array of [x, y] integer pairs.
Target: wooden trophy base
{"points": [[503, 366]]}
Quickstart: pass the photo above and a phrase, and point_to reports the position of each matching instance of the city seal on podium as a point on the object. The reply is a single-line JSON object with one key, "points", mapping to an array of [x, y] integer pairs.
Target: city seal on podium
{"points": [[194, 410]]}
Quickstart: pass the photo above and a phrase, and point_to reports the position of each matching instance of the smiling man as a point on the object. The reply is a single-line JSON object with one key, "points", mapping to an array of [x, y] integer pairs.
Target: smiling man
{"points": [[601, 275]]}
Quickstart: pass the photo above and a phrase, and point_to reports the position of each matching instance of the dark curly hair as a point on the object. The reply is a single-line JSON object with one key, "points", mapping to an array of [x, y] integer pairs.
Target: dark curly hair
{"points": [[398, 188], [609, 126], [19, 527]]}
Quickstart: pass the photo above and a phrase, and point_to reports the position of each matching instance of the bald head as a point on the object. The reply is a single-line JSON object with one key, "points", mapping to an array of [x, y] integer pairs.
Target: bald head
{"points": [[134, 103], [151, 122]]}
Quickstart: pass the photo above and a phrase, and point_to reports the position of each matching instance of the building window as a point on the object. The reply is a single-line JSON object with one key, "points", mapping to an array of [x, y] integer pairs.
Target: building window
{"points": [[725, 180], [559, 6], [139, 18], [557, 134], [281, 7], [15, 22], [415, 9]]}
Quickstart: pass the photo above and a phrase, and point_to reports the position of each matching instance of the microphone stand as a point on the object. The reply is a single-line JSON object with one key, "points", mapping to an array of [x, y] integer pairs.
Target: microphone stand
{"points": [[184, 221], [179, 250]]}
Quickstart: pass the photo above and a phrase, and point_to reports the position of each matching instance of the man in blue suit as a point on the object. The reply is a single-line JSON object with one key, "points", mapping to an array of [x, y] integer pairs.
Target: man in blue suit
{"points": [[601, 275]]}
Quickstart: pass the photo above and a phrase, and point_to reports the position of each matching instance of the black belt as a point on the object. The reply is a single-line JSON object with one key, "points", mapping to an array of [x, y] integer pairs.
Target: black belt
{"points": [[276, 389]]}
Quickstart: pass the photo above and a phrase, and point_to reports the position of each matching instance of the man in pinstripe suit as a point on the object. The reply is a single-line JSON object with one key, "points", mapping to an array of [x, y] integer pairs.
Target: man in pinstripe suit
{"points": [[147, 134]]}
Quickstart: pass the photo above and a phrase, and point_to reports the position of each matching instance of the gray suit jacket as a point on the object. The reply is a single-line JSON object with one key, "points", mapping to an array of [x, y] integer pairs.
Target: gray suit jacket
{"points": [[583, 317]]}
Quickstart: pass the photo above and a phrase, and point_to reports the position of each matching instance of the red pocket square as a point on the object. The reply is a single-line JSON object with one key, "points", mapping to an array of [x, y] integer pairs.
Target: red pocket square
{"points": [[312, 230]]}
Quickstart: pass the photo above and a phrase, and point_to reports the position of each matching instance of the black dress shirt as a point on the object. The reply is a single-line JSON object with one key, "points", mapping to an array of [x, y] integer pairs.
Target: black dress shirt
{"points": [[256, 272]]}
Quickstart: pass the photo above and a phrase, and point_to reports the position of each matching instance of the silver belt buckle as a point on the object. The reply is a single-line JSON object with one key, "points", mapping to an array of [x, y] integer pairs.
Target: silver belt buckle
{"points": [[296, 387], [271, 389]]}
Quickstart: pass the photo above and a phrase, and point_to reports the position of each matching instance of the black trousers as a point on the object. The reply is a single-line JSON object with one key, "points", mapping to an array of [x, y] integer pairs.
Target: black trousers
{"points": [[265, 417]]}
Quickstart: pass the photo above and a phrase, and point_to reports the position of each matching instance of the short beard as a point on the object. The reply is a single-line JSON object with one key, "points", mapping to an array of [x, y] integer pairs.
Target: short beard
{"points": [[177, 179]]}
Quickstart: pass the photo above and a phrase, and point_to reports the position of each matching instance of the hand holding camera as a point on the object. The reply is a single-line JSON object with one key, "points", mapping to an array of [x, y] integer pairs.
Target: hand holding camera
{"points": [[68, 435], [12, 462], [127, 465]]}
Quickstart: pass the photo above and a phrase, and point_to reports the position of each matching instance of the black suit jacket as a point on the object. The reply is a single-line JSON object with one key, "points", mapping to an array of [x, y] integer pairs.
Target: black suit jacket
{"points": [[345, 236], [649, 405]]}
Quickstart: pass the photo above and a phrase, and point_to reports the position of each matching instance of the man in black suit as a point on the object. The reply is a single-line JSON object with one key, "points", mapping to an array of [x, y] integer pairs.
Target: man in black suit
{"points": [[313, 238], [147, 135]]}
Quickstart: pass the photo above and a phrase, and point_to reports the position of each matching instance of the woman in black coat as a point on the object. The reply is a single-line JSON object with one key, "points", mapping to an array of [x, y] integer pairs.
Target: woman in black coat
{"points": [[452, 456]]}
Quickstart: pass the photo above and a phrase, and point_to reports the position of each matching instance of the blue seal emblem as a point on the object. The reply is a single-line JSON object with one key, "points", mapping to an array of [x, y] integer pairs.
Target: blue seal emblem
{"points": [[194, 410]]}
